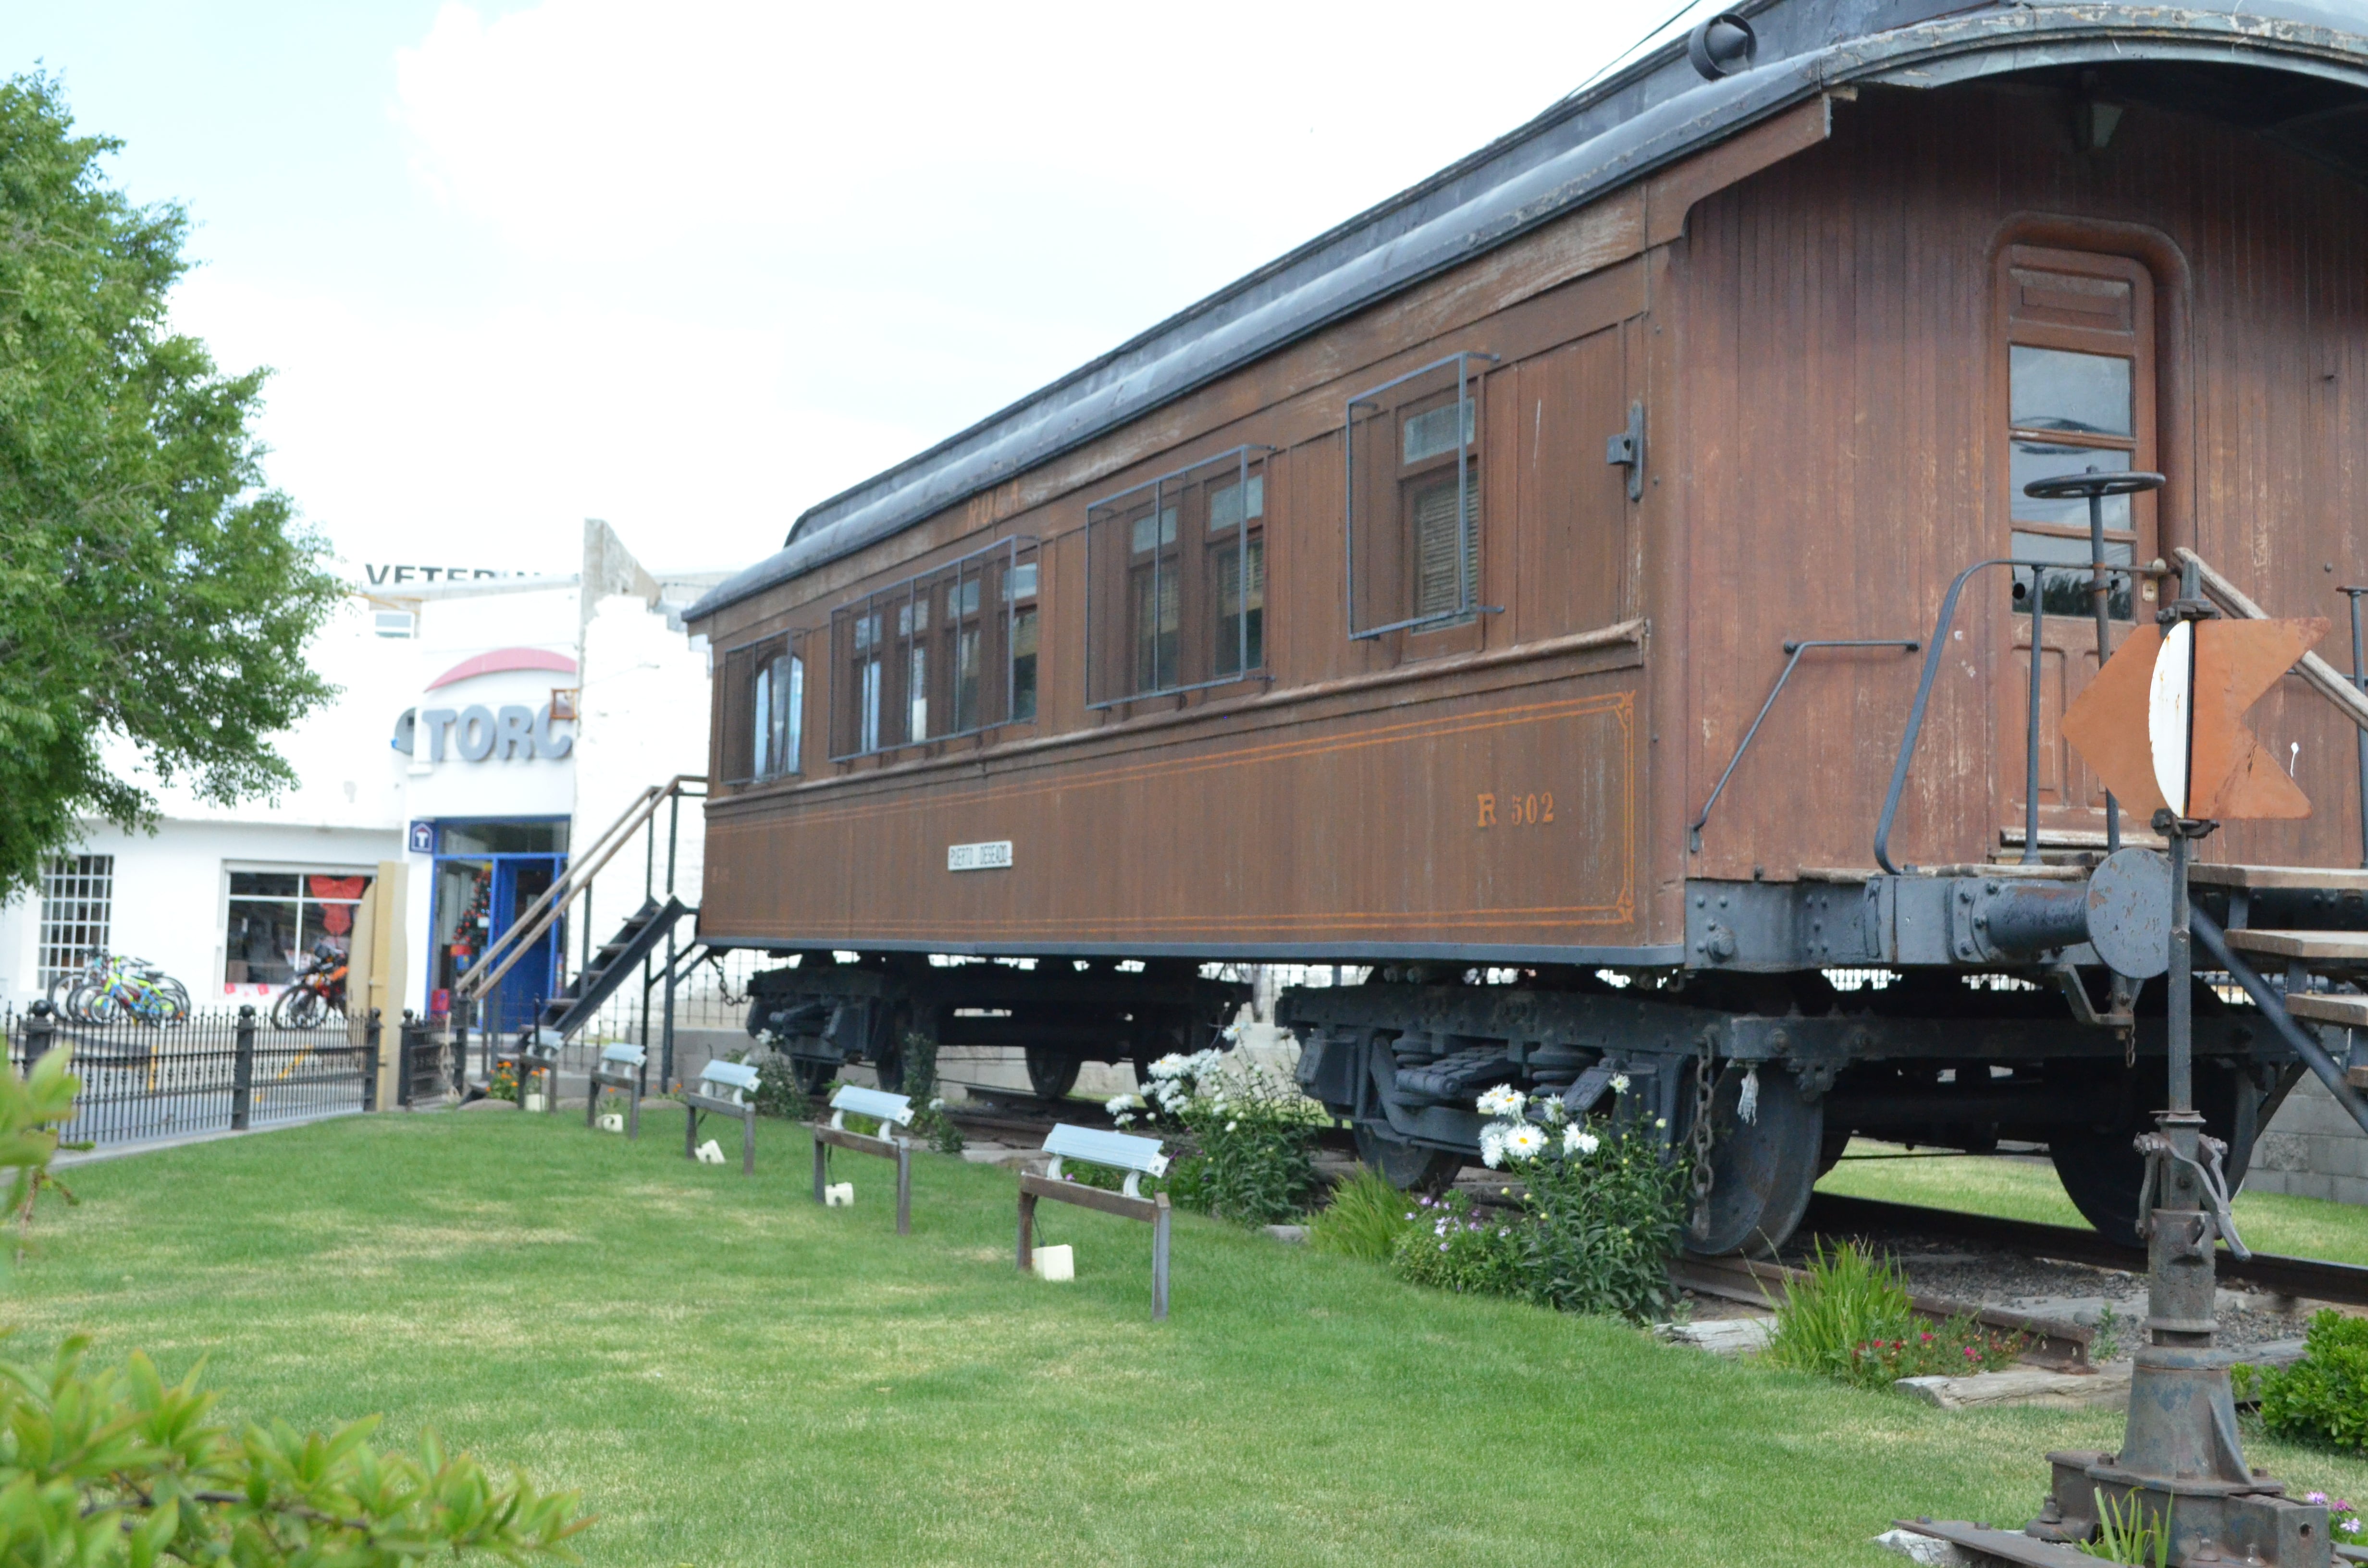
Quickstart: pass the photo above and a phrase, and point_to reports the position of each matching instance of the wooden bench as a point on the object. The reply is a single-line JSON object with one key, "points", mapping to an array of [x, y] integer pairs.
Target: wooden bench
{"points": [[723, 1090], [526, 1057], [1138, 1157], [890, 1110], [620, 1068]]}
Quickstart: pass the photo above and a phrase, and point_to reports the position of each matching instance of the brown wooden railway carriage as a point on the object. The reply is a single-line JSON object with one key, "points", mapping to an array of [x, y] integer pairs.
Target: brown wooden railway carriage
{"points": [[1402, 606]]}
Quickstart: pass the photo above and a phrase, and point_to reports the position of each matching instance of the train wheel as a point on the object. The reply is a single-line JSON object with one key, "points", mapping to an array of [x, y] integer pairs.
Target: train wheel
{"points": [[1052, 1073], [1409, 1167], [1761, 1170], [2102, 1172]]}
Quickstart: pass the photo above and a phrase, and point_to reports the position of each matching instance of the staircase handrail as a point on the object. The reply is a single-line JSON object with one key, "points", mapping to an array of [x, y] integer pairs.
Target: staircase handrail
{"points": [[546, 911], [2323, 678]]}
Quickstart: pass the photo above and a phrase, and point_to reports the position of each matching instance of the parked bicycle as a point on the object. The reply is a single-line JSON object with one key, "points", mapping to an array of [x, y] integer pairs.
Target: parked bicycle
{"points": [[317, 993], [119, 986]]}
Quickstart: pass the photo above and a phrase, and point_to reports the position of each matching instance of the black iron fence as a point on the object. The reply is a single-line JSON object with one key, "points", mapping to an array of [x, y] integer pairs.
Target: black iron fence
{"points": [[212, 1072]]}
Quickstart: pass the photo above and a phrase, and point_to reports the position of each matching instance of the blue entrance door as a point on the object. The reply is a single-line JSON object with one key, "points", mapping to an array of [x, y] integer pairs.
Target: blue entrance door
{"points": [[519, 881]]}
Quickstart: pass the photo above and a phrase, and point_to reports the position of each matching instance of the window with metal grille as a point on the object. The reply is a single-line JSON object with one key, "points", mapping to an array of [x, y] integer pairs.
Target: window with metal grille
{"points": [[77, 905], [1414, 499], [948, 653], [1175, 580]]}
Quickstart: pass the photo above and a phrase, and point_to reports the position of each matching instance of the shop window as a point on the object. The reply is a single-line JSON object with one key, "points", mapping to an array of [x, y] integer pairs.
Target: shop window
{"points": [[278, 919], [1415, 496], [948, 652], [77, 905], [395, 624], [1175, 581]]}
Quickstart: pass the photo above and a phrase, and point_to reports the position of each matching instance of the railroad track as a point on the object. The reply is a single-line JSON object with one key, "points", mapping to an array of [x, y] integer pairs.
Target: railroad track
{"points": [[2309, 1278]]}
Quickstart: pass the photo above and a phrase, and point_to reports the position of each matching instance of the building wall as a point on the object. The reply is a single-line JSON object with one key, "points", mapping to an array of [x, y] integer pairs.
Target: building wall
{"points": [[2312, 1149], [643, 687]]}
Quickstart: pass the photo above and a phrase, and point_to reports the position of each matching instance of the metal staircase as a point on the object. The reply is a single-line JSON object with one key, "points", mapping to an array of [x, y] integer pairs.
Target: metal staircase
{"points": [[2325, 970], [610, 966]]}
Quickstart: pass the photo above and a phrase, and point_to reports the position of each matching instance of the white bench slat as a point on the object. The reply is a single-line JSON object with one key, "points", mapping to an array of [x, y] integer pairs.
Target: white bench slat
{"points": [[625, 1055], [875, 1103], [1119, 1151], [727, 1081]]}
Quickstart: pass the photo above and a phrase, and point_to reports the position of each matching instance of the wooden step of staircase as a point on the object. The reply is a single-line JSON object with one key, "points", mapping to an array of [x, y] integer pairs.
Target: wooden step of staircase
{"points": [[2262, 879], [2320, 1007], [2321, 947]]}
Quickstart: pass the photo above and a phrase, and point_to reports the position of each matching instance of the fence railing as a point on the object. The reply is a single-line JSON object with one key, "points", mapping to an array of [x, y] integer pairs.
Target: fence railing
{"points": [[218, 1070]]}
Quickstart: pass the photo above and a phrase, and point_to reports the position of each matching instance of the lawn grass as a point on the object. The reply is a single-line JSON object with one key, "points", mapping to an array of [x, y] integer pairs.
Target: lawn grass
{"points": [[2027, 1189], [733, 1375]]}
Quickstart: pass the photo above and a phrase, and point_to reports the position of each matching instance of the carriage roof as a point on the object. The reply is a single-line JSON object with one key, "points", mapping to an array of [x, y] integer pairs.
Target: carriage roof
{"points": [[1648, 114]]}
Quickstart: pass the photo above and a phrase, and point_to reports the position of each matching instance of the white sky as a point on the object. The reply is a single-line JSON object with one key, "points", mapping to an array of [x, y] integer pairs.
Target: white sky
{"points": [[695, 266]]}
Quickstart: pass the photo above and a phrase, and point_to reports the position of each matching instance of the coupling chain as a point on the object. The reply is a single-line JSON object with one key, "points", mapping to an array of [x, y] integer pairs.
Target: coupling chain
{"points": [[1698, 1139]]}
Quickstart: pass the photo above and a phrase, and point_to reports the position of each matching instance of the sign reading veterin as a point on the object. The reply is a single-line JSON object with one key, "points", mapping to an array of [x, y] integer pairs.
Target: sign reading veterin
{"points": [[995, 857]]}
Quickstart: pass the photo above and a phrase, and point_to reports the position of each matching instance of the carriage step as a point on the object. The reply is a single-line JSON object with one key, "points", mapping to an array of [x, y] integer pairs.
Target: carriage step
{"points": [[2321, 947], [2269, 879], [2322, 1007]]}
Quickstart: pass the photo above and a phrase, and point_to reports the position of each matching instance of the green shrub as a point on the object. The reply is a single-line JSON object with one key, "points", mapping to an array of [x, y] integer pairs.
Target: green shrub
{"points": [[777, 1092], [116, 1467], [1850, 1318], [1365, 1219], [1591, 1231], [1603, 1227], [931, 1126], [1249, 1152], [1454, 1248], [2324, 1396]]}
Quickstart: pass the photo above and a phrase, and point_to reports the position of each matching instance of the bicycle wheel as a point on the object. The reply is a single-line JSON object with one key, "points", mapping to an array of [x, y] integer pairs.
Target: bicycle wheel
{"points": [[166, 1007], [92, 1004], [298, 1007], [176, 997]]}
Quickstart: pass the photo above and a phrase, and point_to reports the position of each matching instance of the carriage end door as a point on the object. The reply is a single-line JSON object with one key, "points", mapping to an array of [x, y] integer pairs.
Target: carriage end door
{"points": [[2076, 346]]}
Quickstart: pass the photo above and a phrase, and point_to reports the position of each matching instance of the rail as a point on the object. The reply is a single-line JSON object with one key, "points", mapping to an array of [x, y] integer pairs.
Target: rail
{"points": [[1932, 650], [2309, 1278]]}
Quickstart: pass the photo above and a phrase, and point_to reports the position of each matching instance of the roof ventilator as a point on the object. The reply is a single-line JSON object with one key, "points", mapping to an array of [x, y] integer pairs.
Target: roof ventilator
{"points": [[1722, 45]]}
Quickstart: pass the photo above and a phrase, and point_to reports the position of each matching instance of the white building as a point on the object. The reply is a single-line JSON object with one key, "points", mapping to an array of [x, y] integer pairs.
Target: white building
{"points": [[484, 723]]}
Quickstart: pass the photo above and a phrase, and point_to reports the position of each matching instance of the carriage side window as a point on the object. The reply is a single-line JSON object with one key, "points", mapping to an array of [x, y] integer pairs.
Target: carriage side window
{"points": [[778, 708], [2080, 374], [1175, 581], [1023, 588], [761, 694], [948, 652], [1414, 500]]}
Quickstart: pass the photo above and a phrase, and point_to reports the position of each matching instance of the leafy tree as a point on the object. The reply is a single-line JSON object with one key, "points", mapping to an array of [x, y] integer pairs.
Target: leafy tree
{"points": [[115, 1468], [152, 588]]}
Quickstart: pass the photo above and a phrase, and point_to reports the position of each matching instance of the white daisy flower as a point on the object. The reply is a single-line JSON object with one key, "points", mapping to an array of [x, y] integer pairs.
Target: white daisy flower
{"points": [[1619, 1083], [1492, 1144], [1577, 1140], [1169, 1066], [1118, 1105], [1552, 1109], [1232, 1126], [1524, 1142], [1503, 1100]]}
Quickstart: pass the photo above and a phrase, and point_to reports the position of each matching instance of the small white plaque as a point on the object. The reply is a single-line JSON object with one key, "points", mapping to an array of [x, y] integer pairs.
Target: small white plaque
{"points": [[995, 857]]}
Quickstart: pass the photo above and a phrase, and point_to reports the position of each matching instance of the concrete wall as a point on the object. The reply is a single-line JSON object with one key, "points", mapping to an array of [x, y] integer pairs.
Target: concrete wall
{"points": [[2311, 1148]]}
